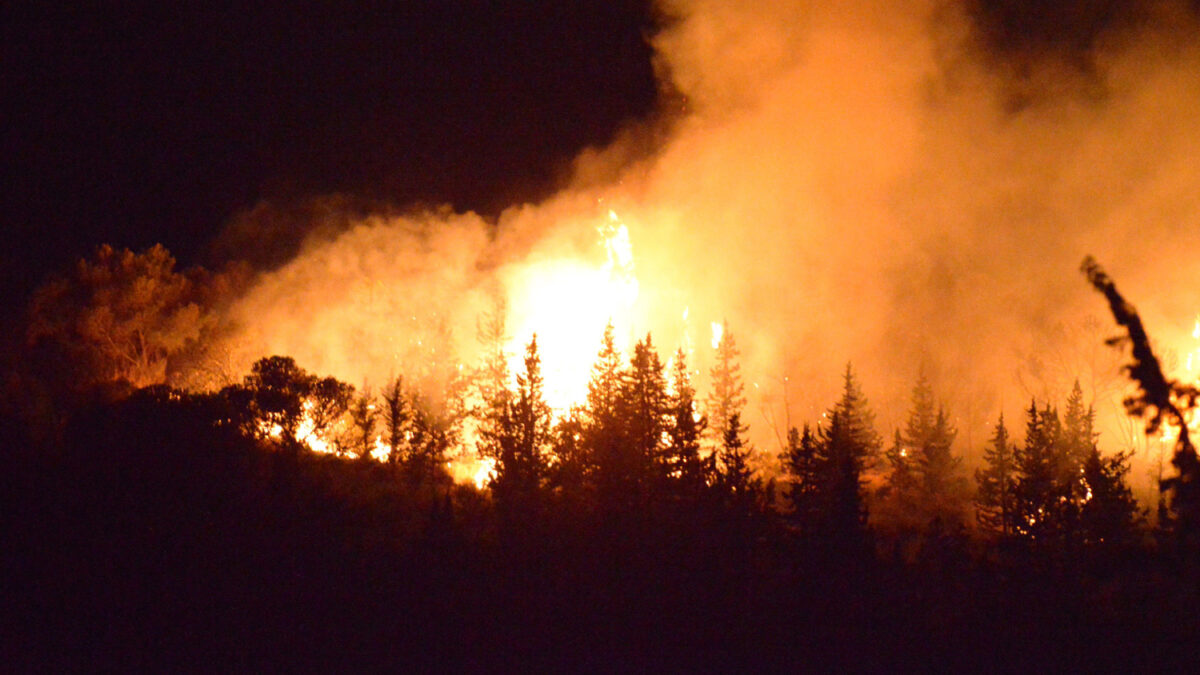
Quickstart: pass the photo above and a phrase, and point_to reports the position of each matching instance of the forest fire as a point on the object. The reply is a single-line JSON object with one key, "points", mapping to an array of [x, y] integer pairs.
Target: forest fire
{"points": [[567, 302]]}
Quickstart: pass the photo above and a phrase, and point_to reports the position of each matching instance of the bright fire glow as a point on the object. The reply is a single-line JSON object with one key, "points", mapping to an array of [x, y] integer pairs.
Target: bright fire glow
{"points": [[718, 332], [567, 303]]}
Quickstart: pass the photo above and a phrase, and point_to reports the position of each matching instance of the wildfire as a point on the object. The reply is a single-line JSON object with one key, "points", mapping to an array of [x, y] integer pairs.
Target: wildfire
{"points": [[567, 302]]}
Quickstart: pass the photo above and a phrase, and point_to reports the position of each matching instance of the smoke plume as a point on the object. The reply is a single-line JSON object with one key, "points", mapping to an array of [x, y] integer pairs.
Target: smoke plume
{"points": [[901, 185]]}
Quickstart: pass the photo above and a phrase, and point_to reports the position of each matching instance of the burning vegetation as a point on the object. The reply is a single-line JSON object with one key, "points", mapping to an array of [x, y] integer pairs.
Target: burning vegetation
{"points": [[633, 416]]}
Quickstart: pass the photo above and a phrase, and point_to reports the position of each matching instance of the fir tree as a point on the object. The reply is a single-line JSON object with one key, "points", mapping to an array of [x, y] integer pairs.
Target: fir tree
{"points": [[519, 436], [616, 468], [682, 460], [802, 464], [842, 450], [1038, 512], [1109, 513], [858, 422], [1077, 441], [728, 392], [995, 499], [364, 417], [397, 416], [644, 408]]}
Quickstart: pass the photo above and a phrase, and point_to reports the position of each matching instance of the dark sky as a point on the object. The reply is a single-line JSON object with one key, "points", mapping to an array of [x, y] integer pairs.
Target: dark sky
{"points": [[142, 122]]}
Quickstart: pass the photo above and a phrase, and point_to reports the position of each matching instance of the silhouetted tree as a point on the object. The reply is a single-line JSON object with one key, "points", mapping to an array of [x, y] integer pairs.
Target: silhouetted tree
{"points": [[858, 422], [727, 397], [683, 463], [644, 411], [1108, 513], [806, 478], [397, 418], [1158, 399], [735, 480], [996, 481], [898, 508], [1039, 492], [365, 417], [519, 437], [845, 511], [431, 435], [847, 444], [615, 465], [278, 389]]}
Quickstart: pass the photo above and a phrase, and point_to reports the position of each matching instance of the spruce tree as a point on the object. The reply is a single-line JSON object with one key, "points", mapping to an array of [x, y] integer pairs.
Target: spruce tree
{"points": [[397, 418], [735, 478], [842, 450], [1038, 513], [996, 481], [728, 396], [644, 409], [805, 476], [858, 422], [1109, 513], [615, 467], [682, 462], [520, 438], [364, 416]]}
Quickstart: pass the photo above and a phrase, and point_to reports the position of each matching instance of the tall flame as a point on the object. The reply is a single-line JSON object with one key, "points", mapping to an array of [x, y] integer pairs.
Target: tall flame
{"points": [[567, 302]]}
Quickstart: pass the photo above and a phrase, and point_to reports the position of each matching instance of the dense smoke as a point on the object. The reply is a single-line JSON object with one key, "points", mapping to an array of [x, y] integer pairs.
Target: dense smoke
{"points": [[902, 185]]}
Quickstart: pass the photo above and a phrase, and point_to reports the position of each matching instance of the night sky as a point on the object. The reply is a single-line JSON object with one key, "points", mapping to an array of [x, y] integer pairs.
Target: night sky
{"points": [[135, 123]]}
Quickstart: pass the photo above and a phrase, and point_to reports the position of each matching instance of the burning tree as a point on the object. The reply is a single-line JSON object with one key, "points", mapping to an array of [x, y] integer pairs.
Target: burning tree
{"points": [[1158, 401]]}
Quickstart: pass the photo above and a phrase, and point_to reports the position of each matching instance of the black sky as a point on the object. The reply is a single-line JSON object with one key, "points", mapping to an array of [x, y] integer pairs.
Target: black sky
{"points": [[140, 122], [135, 123]]}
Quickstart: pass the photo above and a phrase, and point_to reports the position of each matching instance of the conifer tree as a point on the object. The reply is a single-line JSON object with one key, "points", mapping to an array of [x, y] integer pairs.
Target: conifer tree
{"points": [[996, 481], [518, 437], [735, 479], [728, 396], [898, 507], [682, 460], [1038, 513], [615, 467], [1108, 513], [397, 416], [1077, 442], [364, 416], [644, 408], [858, 422], [845, 514], [802, 464]]}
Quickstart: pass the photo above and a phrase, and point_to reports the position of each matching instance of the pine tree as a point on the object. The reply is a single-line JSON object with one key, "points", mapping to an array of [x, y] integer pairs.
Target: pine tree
{"points": [[1076, 444], [1109, 513], [945, 489], [682, 462], [842, 451], [899, 506], [728, 392], [518, 436], [397, 417], [1038, 512], [802, 464], [644, 409], [614, 467], [364, 416], [735, 478], [858, 422], [995, 499]]}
